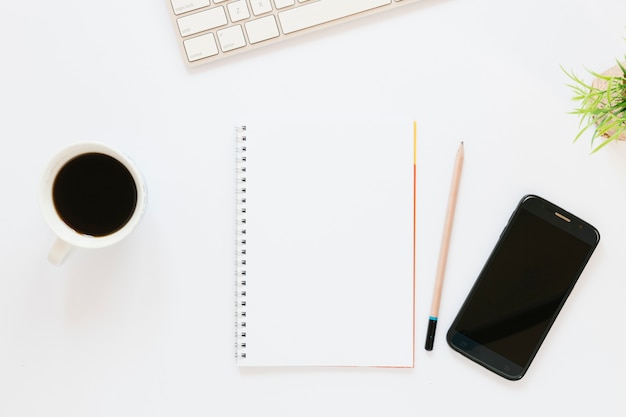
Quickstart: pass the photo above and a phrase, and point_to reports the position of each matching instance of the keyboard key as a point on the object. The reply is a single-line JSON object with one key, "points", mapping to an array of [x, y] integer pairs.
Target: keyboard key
{"points": [[183, 6], [238, 10], [199, 22], [200, 47], [281, 4], [260, 6], [323, 11], [231, 38], [262, 29]]}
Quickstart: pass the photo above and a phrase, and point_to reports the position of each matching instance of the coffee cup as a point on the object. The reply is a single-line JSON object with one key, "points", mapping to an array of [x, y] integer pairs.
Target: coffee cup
{"points": [[91, 196]]}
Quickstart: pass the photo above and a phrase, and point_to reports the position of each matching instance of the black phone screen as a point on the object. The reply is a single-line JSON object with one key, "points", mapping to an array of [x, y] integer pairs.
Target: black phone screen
{"points": [[522, 287]]}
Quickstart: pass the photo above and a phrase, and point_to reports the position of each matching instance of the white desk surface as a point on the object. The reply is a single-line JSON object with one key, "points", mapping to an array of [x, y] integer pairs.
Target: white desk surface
{"points": [[146, 327]]}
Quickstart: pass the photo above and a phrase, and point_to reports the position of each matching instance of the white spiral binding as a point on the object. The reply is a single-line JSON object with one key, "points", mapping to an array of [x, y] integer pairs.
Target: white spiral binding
{"points": [[240, 278]]}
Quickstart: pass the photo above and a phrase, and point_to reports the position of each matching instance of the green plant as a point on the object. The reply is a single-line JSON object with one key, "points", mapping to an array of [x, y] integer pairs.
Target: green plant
{"points": [[602, 105]]}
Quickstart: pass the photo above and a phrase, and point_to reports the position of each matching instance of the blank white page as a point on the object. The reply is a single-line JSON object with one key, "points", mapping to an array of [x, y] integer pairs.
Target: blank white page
{"points": [[329, 225]]}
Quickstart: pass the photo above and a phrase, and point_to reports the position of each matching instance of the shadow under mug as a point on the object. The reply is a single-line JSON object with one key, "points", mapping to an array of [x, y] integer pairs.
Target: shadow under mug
{"points": [[91, 196]]}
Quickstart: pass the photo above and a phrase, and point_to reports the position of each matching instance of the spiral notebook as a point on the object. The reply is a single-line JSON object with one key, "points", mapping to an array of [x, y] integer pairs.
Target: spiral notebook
{"points": [[325, 242]]}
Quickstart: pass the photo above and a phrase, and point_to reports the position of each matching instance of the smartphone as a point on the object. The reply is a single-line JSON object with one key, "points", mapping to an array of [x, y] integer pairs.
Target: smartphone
{"points": [[522, 287]]}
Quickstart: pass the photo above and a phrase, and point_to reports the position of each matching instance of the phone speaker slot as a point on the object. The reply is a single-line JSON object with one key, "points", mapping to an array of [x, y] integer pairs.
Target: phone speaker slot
{"points": [[562, 217]]}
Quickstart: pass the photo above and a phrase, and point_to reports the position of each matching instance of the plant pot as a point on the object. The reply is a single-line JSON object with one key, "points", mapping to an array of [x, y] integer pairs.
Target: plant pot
{"points": [[615, 71]]}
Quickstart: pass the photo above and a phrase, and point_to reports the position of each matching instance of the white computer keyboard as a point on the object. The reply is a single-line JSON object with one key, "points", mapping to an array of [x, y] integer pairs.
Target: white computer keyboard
{"points": [[212, 29]]}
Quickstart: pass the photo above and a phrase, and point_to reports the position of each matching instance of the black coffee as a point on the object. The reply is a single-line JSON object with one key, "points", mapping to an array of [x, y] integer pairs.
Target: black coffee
{"points": [[94, 194]]}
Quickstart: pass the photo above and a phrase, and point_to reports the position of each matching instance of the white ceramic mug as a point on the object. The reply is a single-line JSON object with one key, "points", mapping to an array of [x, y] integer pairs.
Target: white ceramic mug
{"points": [[91, 196]]}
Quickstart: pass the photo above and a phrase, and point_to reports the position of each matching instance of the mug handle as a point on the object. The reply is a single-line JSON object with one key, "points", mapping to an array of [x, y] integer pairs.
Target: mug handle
{"points": [[59, 251]]}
